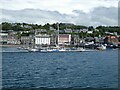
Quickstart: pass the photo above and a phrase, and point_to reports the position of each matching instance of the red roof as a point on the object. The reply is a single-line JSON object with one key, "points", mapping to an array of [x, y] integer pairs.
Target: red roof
{"points": [[112, 37]]}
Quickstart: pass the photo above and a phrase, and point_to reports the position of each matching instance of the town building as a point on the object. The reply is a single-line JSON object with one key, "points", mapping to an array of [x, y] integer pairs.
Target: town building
{"points": [[43, 30], [13, 40], [83, 30], [99, 40], [53, 39], [77, 31], [64, 39], [68, 30], [111, 40], [90, 32], [75, 40], [25, 40], [42, 39], [52, 29], [3, 38], [89, 40]]}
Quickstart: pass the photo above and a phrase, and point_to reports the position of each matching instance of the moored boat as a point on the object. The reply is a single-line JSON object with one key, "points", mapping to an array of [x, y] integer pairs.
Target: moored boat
{"points": [[33, 50], [101, 47]]}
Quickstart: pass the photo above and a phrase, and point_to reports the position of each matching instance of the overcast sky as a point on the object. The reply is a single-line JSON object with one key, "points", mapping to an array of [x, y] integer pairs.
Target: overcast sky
{"points": [[85, 12]]}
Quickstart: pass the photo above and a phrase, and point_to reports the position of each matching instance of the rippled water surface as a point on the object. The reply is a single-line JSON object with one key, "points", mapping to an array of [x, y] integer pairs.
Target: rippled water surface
{"points": [[98, 69]]}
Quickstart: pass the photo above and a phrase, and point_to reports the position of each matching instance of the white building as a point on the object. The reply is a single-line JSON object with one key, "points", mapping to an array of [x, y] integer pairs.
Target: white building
{"points": [[3, 38], [90, 32], [42, 40]]}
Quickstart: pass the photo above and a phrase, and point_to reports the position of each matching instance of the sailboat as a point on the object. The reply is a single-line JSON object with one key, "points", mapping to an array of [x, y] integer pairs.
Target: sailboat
{"points": [[57, 48], [33, 46]]}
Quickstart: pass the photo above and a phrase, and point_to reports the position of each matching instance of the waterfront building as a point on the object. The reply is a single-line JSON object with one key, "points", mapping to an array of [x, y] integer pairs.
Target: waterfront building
{"points": [[64, 39], [13, 40], [53, 39], [25, 40], [42, 39], [75, 40], [3, 38]]}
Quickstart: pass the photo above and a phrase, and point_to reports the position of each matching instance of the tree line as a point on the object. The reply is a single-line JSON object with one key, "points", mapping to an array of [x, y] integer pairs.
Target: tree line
{"points": [[26, 27]]}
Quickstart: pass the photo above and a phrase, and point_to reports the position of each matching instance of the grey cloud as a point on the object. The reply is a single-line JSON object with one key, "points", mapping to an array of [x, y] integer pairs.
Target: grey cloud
{"points": [[105, 16], [106, 12], [99, 16]]}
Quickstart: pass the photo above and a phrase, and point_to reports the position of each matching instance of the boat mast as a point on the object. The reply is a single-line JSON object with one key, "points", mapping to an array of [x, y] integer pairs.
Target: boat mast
{"points": [[58, 33], [34, 39]]}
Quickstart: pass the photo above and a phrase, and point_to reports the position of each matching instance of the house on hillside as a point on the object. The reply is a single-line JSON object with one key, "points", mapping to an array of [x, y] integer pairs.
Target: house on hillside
{"points": [[111, 40]]}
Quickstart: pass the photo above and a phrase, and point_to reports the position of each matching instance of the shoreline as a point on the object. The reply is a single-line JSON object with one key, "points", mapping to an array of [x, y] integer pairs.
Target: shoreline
{"points": [[10, 45], [1, 45]]}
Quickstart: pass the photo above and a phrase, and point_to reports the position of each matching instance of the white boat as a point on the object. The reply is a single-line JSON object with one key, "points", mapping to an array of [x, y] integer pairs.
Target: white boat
{"points": [[33, 50], [62, 50], [101, 47], [81, 49], [20, 48], [53, 50]]}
